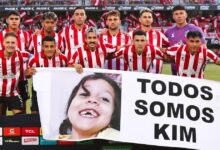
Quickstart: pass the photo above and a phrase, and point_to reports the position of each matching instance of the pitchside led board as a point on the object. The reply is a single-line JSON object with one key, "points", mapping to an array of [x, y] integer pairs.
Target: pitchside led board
{"points": [[155, 109]]}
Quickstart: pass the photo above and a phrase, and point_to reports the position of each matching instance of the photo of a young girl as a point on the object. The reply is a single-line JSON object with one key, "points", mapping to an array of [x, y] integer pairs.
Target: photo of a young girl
{"points": [[93, 109]]}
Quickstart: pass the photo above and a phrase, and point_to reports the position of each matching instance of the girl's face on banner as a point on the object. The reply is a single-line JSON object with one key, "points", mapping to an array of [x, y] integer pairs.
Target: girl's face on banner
{"points": [[92, 108]]}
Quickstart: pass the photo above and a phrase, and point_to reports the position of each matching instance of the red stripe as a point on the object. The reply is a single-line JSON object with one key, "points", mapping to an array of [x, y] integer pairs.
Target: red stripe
{"points": [[61, 61], [196, 61], [83, 35], [134, 59], [4, 72], [81, 56], [35, 44], [59, 42], [21, 63], [89, 56], [13, 66], [54, 62], [203, 63], [13, 83], [26, 38], [98, 58], [37, 59], [19, 41], [67, 37], [159, 43], [178, 57], [144, 60], [75, 32], [187, 57], [1, 39], [126, 59], [150, 37], [158, 63]]}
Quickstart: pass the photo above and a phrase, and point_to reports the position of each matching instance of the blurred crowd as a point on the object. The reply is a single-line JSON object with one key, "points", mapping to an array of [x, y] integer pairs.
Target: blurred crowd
{"points": [[105, 2]]}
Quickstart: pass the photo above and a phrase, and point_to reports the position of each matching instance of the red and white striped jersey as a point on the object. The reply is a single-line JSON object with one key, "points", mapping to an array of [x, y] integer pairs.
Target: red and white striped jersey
{"points": [[11, 69], [158, 39], [40, 60], [140, 63], [23, 39], [73, 39], [36, 42], [191, 65], [120, 39], [92, 59]]}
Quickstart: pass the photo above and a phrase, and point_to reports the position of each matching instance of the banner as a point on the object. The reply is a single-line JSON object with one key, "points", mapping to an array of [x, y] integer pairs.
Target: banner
{"points": [[151, 109]]}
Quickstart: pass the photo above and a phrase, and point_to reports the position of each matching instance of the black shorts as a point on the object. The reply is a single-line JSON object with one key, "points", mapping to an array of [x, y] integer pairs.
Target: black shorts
{"points": [[23, 90], [13, 102], [34, 106]]}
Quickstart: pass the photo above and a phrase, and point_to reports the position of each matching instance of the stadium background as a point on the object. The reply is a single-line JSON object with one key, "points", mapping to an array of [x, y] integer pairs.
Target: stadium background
{"points": [[202, 13]]}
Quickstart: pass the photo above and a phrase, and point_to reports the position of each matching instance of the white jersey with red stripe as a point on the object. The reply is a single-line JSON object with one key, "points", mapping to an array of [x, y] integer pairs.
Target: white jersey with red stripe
{"points": [[40, 60], [22, 41], [120, 39], [11, 69], [190, 65], [73, 39], [92, 59], [142, 62], [36, 42], [156, 38]]}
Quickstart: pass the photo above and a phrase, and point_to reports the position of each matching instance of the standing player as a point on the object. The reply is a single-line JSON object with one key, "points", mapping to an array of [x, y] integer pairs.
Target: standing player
{"points": [[13, 20], [11, 69], [46, 58], [140, 55], [154, 37], [116, 38], [74, 34], [48, 23], [177, 34], [91, 55], [190, 58]]}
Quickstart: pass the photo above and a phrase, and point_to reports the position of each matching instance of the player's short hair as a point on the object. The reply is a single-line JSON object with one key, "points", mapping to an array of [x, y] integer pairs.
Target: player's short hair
{"points": [[16, 13], [77, 9], [8, 34], [139, 32], [178, 7], [194, 34], [49, 15], [48, 39], [145, 10], [91, 29], [113, 13]]}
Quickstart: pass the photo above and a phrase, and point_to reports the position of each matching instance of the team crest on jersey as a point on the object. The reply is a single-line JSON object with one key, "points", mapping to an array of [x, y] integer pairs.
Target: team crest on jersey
{"points": [[105, 39], [71, 36], [172, 35], [39, 43], [85, 59]]}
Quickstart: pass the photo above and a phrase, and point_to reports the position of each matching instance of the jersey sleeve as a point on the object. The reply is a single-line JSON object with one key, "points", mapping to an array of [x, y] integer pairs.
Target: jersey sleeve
{"points": [[172, 50], [74, 59], [212, 56], [32, 62], [158, 53]]}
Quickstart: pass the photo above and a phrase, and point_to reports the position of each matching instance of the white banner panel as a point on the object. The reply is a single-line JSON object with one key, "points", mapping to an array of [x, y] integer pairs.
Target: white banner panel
{"points": [[155, 109]]}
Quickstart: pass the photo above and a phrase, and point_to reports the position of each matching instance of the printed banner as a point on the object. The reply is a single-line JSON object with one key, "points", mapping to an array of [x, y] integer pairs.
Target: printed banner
{"points": [[130, 107]]}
